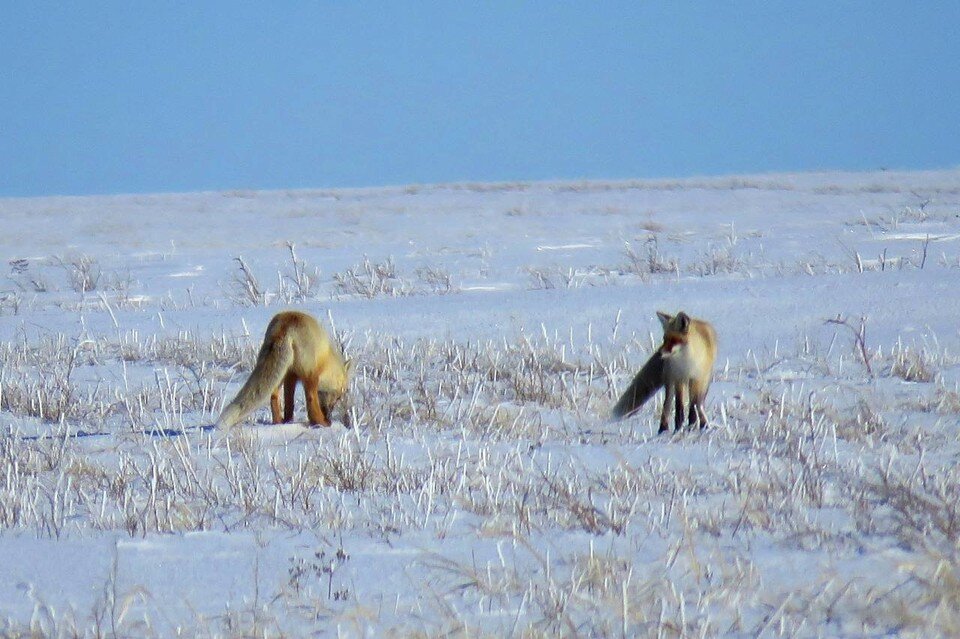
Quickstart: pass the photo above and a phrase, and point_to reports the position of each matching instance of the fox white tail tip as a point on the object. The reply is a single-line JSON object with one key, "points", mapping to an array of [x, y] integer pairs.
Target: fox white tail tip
{"points": [[229, 417]]}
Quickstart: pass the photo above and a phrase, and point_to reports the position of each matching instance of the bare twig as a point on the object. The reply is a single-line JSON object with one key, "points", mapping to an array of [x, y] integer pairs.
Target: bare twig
{"points": [[860, 338]]}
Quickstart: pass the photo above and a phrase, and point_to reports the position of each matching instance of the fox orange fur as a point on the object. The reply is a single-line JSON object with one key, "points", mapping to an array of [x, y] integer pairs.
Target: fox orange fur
{"points": [[295, 349], [683, 366]]}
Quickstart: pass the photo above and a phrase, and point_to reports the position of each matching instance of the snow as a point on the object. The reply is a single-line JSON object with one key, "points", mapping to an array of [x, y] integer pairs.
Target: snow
{"points": [[482, 488]]}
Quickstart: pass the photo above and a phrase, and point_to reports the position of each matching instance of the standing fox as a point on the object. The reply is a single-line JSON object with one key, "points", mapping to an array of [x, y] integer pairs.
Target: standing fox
{"points": [[295, 349], [683, 365]]}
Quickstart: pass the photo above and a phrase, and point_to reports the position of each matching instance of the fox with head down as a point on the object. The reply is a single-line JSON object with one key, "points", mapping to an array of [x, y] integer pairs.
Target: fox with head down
{"points": [[296, 349]]}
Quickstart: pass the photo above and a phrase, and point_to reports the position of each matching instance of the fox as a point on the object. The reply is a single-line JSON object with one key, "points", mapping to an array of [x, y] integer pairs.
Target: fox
{"points": [[296, 349], [682, 365]]}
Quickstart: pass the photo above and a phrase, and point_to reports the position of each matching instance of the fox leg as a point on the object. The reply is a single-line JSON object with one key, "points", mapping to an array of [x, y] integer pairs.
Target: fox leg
{"points": [[699, 395], [692, 415], [275, 405], [701, 414], [683, 392], [325, 404], [667, 402], [289, 386], [315, 411]]}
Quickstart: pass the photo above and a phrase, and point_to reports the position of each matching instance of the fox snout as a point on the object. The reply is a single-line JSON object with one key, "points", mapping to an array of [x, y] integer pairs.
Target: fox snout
{"points": [[672, 344]]}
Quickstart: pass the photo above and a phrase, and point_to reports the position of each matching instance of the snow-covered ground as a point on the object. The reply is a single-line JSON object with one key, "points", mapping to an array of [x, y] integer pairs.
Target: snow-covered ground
{"points": [[481, 489]]}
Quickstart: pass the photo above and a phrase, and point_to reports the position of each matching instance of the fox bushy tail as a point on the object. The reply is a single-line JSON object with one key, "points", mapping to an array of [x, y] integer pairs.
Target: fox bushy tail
{"points": [[273, 362], [644, 385]]}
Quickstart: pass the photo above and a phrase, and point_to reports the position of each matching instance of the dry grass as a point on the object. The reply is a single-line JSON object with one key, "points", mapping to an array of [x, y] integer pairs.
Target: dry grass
{"points": [[575, 526]]}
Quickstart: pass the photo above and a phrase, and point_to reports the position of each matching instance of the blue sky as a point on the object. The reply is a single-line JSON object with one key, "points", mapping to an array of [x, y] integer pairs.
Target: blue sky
{"points": [[119, 97]]}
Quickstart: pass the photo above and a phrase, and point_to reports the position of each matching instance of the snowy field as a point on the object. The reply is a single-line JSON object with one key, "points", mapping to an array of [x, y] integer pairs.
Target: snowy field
{"points": [[481, 490]]}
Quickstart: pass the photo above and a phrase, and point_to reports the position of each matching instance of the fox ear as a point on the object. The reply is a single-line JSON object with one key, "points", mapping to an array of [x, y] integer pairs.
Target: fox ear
{"points": [[664, 319], [683, 322]]}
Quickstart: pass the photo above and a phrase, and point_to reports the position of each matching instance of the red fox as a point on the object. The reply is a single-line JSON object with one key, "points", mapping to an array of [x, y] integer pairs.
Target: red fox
{"points": [[683, 365], [295, 349]]}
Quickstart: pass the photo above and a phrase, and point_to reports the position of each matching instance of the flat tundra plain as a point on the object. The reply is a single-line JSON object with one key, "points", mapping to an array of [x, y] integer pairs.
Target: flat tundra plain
{"points": [[480, 489]]}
